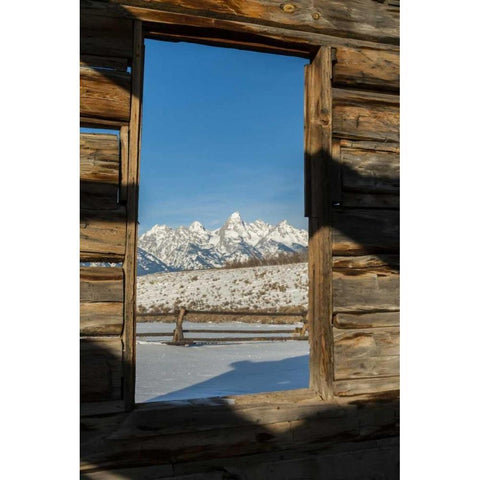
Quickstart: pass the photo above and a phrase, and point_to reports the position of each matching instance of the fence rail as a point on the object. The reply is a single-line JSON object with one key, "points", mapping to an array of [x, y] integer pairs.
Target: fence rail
{"points": [[178, 334]]}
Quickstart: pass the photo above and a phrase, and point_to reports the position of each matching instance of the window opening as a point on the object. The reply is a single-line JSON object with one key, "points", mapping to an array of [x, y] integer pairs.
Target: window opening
{"points": [[222, 237]]}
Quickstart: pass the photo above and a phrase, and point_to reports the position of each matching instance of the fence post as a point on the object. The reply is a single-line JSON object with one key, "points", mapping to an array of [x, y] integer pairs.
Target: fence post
{"points": [[178, 333]]}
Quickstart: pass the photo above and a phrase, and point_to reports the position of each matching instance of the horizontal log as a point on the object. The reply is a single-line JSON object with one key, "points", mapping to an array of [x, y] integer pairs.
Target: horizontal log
{"points": [[100, 369], [102, 235], [162, 433], [323, 22], [99, 171], [364, 293], [148, 421], [105, 123], [365, 115], [99, 158], [372, 263], [101, 318], [238, 339], [91, 409], [358, 386], [370, 145], [369, 200], [105, 36], [105, 94], [370, 171], [226, 312], [155, 334], [365, 231], [365, 353], [95, 61], [101, 284], [367, 68], [367, 320], [98, 196]]}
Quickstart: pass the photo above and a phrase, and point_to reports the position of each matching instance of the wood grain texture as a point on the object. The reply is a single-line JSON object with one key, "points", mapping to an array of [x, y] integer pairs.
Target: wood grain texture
{"points": [[318, 151], [358, 386], [102, 235], [133, 171], [357, 265], [352, 21], [99, 158], [100, 369], [101, 318], [365, 231], [365, 353], [99, 171], [374, 146], [367, 320], [105, 36], [366, 68], [370, 171], [105, 94], [365, 115], [364, 293], [101, 284]]}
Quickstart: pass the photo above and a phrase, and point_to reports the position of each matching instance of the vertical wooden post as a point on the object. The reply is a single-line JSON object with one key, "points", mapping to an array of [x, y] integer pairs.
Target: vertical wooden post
{"points": [[130, 262], [318, 158], [178, 333], [123, 163]]}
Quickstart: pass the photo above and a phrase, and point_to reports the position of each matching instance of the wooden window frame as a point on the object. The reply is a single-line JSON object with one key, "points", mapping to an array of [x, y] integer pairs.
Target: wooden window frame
{"points": [[317, 146]]}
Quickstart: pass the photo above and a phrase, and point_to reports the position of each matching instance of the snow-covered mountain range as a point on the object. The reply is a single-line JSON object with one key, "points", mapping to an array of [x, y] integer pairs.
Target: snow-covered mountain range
{"points": [[163, 248]]}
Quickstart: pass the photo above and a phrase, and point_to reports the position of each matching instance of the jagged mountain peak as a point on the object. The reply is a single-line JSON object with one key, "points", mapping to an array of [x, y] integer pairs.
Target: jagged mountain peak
{"points": [[196, 226], [195, 247]]}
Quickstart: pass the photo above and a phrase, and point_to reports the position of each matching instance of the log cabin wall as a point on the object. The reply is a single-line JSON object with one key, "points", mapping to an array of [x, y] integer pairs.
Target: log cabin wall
{"points": [[346, 425], [111, 66], [365, 220]]}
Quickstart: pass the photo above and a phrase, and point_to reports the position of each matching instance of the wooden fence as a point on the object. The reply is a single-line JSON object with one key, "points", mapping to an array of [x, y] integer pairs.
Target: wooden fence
{"points": [[178, 334]]}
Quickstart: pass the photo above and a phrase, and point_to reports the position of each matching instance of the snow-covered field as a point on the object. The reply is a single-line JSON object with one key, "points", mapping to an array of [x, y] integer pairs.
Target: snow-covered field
{"points": [[166, 372], [255, 288]]}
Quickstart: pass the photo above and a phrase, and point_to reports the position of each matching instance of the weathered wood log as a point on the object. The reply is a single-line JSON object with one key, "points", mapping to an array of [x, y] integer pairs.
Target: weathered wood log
{"points": [[366, 68], [157, 434], [373, 263], [102, 235], [318, 153], [370, 145], [365, 115], [365, 353], [105, 94], [100, 369], [370, 200], [364, 293], [101, 318], [99, 158], [370, 171], [357, 386], [365, 231], [99, 171], [237, 339], [106, 36], [98, 196], [95, 61], [178, 333], [101, 284], [131, 197], [323, 22], [259, 313], [367, 320]]}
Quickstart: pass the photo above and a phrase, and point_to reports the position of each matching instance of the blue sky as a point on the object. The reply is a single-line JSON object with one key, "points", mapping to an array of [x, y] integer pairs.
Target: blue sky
{"points": [[222, 131]]}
